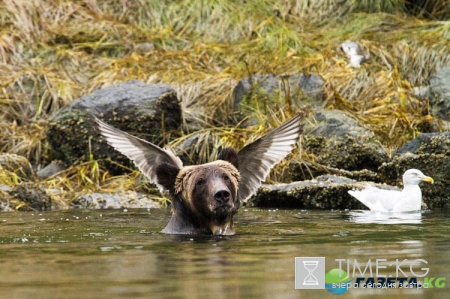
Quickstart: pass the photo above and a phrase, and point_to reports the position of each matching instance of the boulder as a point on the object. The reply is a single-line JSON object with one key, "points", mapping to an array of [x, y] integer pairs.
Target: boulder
{"points": [[430, 153], [324, 192], [128, 199], [440, 94], [31, 197], [336, 141], [51, 169], [151, 112], [263, 92], [427, 143]]}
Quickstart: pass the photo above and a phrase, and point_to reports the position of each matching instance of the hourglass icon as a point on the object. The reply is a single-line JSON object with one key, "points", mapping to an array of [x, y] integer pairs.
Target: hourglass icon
{"points": [[310, 279]]}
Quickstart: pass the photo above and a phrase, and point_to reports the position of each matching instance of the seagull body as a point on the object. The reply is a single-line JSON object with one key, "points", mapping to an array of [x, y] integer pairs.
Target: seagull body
{"points": [[409, 199]]}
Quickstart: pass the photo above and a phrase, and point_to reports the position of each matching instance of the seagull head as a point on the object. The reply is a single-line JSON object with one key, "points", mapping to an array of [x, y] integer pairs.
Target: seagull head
{"points": [[414, 177]]}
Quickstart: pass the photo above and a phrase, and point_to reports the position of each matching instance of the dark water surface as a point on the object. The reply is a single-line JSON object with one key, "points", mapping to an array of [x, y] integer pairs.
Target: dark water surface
{"points": [[120, 254]]}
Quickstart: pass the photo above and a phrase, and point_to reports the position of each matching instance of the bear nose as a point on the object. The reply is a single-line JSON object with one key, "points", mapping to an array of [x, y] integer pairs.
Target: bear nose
{"points": [[222, 196]]}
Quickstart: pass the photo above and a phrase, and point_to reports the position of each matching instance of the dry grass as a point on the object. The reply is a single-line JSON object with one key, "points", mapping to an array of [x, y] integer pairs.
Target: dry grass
{"points": [[54, 51]]}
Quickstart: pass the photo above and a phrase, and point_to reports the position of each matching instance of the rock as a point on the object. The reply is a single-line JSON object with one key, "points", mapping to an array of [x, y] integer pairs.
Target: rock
{"points": [[51, 169], [430, 153], [435, 165], [17, 165], [440, 94], [335, 124], [32, 197], [152, 112], [336, 141], [308, 170], [325, 192], [128, 199], [276, 91], [427, 143]]}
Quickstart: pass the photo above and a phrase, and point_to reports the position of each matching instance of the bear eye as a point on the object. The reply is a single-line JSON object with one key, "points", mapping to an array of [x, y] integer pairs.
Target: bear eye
{"points": [[225, 177], [200, 182]]}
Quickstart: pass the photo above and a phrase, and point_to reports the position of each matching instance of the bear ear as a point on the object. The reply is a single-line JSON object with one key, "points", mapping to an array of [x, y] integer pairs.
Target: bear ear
{"points": [[166, 174], [229, 154]]}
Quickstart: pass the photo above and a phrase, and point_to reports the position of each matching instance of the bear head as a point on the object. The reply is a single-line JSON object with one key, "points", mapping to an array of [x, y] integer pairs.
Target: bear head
{"points": [[204, 197]]}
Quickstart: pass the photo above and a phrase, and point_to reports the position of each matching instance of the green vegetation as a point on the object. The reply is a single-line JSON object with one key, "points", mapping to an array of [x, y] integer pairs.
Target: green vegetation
{"points": [[54, 51]]}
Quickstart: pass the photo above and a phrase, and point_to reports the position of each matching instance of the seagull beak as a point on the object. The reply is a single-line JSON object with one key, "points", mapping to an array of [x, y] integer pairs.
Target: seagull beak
{"points": [[427, 179]]}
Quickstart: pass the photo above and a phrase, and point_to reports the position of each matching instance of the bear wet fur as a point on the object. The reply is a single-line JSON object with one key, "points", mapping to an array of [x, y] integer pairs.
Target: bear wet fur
{"points": [[204, 197]]}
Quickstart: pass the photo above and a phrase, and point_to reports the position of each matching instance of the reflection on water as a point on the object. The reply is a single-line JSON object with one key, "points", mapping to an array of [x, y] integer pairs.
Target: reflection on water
{"points": [[363, 216], [116, 254]]}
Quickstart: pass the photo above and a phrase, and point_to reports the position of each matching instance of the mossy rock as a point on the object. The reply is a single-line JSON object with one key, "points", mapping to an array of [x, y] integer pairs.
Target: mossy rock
{"points": [[325, 192], [30, 197], [348, 153], [427, 143], [437, 166], [307, 170], [335, 143], [151, 112], [440, 93]]}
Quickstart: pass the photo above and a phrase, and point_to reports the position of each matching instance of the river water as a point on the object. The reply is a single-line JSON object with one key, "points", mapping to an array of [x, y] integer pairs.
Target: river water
{"points": [[120, 254]]}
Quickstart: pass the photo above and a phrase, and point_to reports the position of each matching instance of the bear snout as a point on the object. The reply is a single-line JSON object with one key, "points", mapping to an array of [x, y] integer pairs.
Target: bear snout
{"points": [[222, 196]]}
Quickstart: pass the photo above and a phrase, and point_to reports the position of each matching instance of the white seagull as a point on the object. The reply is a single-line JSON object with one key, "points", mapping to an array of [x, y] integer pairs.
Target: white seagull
{"points": [[354, 53], [409, 199]]}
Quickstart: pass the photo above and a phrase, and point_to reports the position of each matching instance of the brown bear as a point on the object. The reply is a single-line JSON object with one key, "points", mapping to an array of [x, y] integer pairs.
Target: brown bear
{"points": [[206, 197]]}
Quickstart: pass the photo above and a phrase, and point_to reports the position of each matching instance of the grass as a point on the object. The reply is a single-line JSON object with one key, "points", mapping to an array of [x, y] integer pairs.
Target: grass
{"points": [[55, 51]]}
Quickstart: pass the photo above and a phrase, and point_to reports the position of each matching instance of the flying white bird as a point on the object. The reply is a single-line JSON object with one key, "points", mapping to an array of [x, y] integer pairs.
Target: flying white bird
{"points": [[409, 199]]}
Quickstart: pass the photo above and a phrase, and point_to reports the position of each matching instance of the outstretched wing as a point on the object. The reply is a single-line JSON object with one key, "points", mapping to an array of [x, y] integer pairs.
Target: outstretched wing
{"points": [[145, 155], [257, 158]]}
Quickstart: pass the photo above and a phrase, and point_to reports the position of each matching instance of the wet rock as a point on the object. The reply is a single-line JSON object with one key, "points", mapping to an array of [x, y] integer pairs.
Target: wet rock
{"points": [[127, 199], [51, 169], [437, 166], [276, 91], [17, 165], [31, 196], [440, 94], [308, 170], [430, 153], [336, 141], [151, 112], [325, 192]]}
